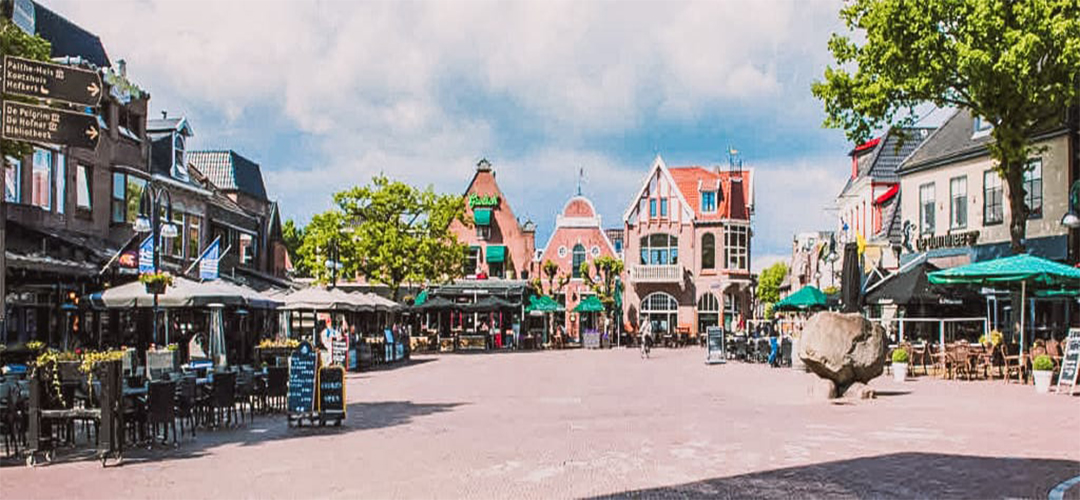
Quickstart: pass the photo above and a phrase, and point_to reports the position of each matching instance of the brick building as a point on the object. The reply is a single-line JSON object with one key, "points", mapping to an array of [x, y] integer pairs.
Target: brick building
{"points": [[499, 245]]}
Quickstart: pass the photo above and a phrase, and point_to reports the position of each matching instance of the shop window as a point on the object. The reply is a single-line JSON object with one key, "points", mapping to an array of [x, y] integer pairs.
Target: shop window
{"points": [[578, 260], [41, 182], [708, 308], [958, 205], [661, 311], [737, 247], [708, 251], [659, 249], [993, 198], [83, 188], [708, 201], [926, 208], [12, 179], [496, 269], [1033, 189]]}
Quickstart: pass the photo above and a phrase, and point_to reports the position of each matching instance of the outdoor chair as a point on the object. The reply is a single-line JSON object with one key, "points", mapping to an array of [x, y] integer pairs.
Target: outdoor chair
{"points": [[984, 360], [9, 417], [186, 402], [161, 410], [1053, 349], [961, 360], [920, 356], [221, 405], [785, 352], [245, 389], [277, 387]]}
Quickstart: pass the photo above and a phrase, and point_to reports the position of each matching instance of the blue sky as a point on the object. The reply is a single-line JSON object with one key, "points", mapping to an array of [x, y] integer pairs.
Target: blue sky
{"points": [[324, 94]]}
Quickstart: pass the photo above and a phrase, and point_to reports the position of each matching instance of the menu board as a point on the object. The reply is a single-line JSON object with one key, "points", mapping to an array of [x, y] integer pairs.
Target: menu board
{"points": [[302, 363], [332, 390], [339, 350], [716, 352], [1070, 363], [591, 339]]}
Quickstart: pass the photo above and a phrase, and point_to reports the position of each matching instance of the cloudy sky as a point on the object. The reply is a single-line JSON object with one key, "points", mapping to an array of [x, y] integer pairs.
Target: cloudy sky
{"points": [[323, 94]]}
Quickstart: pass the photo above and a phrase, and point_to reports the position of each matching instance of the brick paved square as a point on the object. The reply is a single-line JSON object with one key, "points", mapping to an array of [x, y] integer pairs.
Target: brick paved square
{"points": [[594, 423]]}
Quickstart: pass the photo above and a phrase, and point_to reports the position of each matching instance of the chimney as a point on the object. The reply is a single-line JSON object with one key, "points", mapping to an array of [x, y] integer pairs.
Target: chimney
{"points": [[122, 64], [164, 115]]}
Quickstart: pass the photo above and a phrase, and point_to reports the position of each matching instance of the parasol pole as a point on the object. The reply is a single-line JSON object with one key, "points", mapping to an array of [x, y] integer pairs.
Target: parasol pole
{"points": [[1023, 300]]}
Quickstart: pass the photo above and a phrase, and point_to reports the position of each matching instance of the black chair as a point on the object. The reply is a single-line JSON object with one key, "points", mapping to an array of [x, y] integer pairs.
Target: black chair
{"points": [[161, 409], [187, 402], [245, 388], [277, 386], [9, 416], [785, 352], [222, 402]]}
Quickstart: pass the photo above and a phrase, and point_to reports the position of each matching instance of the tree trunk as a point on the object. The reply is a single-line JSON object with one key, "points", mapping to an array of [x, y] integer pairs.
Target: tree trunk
{"points": [[1014, 179]]}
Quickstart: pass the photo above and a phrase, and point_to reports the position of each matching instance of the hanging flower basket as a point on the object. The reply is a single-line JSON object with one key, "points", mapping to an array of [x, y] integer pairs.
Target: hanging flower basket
{"points": [[156, 282]]}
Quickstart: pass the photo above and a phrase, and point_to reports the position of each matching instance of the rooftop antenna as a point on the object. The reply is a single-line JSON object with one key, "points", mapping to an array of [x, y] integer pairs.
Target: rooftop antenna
{"points": [[734, 160], [581, 174]]}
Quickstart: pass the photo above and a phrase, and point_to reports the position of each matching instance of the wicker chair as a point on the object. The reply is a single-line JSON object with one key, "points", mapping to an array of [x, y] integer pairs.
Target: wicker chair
{"points": [[161, 409], [1012, 363]]}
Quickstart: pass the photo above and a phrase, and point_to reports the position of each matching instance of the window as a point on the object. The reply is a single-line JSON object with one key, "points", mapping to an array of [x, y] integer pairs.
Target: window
{"points": [[663, 207], [661, 311], [495, 269], [126, 192], [483, 232], [12, 178], [737, 247], [708, 201], [618, 245], [659, 250], [179, 167], [1033, 192], [578, 260], [247, 249], [652, 208], [992, 198], [926, 208], [708, 251], [194, 224], [41, 185], [708, 312], [83, 185], [958, 207], [981, 127], [61, 183], [472, 258], [175, 245]]}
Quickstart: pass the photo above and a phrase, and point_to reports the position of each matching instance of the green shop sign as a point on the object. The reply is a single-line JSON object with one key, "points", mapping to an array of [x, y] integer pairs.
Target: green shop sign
{"points": [[476, 200]]}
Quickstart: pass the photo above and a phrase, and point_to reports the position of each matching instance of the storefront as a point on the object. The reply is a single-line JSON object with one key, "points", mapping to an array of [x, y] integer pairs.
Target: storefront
{"points": [[498, 245], [473, 314]]}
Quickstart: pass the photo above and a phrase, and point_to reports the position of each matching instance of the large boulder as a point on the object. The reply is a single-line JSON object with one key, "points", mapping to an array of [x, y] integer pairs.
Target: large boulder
{"points": [[842, 348]]}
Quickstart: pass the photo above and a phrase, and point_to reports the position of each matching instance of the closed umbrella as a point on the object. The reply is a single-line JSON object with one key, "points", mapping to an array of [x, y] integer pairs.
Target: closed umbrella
{"points": [[217, 353]]}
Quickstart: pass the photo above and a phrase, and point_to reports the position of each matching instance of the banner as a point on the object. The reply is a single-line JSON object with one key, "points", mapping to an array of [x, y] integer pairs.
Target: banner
{"points": [[208, 262], [146, 255]]}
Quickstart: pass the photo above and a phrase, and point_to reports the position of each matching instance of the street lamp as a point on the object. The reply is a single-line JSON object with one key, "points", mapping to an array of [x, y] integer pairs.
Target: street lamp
{"points": [[1071, 219], [149, 219]]}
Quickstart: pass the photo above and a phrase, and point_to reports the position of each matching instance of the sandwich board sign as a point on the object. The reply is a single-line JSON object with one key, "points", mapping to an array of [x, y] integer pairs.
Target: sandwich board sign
{"points": [[1070, 362], [715, 351]]}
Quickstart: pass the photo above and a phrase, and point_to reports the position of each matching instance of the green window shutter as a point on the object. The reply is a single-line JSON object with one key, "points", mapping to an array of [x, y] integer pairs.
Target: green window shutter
{"points": [[496, 254], [482, 216]]}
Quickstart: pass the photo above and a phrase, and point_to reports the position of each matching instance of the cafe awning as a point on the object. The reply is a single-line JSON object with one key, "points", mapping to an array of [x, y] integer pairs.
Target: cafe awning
{"points": [[322, 299], [183, 293], [808, 297], [482, 216], [496, 254], [543, 303]]}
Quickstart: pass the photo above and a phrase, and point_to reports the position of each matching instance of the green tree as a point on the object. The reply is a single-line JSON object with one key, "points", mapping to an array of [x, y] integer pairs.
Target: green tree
{"points": [[768, 289], [293, 234], [16, 42], [550, 270], [1012, 63], [602, 280], [326, 233], [402, 233]]}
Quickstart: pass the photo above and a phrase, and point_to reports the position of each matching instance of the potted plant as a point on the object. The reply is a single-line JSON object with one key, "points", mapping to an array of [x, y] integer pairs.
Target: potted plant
{"points": [[156, 282], [1043, 367], [899, 364]]}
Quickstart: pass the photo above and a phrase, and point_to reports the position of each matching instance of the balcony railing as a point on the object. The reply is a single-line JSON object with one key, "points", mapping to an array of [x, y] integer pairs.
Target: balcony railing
{"points": [[656, 273]]}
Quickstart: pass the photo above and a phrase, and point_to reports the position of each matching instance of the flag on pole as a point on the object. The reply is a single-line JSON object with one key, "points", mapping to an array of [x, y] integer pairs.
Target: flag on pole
{"points": [[208, 261], [146, 255]]}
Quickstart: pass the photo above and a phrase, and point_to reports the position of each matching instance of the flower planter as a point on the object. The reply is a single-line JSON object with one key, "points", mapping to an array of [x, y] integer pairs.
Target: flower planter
{"points": [[157, 287], [1042, 380], [899, 371], [69, 371]]}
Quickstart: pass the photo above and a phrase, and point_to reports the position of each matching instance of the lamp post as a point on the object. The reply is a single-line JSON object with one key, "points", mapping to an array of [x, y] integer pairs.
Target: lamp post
{"points": [[151, 202]]}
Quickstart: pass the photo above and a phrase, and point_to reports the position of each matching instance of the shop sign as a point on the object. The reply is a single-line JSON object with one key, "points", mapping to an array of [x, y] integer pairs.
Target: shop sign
{"points": [[478, 200], [965, 239]]}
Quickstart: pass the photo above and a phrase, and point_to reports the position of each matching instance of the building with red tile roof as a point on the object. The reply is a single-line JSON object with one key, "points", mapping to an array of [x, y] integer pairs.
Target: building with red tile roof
{"points": [[687, 248]]}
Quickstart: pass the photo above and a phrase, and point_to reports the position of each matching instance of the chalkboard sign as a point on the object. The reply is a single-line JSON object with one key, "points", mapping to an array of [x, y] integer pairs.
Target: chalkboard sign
{"points": [[591, 339], [1070, 363], [339, 352], [715, 351], [302, 363], [332, 391]]}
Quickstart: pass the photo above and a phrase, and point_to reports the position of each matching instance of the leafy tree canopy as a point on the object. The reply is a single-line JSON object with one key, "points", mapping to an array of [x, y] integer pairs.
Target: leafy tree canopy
{"points": [[1015, 64], [326, 234], [16, 42], [293, 234], [769, 282]]}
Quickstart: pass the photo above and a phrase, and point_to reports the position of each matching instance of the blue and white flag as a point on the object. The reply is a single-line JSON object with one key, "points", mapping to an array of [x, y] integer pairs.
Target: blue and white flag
{"points": [[208, 262], [146, 255]]}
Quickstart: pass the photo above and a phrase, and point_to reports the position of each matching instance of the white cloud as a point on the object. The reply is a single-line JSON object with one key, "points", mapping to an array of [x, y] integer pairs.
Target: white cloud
{"points": [[761, 262], [794, 197]]}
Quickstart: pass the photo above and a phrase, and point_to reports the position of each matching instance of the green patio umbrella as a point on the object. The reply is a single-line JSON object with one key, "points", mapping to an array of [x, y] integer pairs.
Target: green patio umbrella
{"points": [[590, 304], [1024, 270], [542, 303], [808, 297]]}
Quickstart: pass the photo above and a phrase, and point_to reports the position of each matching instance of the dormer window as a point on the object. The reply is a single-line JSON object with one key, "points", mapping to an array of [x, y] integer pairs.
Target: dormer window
{"points": [[179, 167], [981, 127], [708, 201]]}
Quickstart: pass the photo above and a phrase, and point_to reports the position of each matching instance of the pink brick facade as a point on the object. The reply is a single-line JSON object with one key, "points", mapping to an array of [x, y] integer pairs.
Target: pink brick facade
{"points": [[687, 249], [577, 228], [520, 242]]}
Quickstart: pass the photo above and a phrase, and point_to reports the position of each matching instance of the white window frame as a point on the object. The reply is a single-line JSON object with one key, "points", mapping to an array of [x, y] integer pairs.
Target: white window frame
{"points": [[958, 202], [736, 256]]}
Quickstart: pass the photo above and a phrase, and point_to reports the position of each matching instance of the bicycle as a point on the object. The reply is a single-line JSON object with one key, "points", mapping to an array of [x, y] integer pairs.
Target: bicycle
{"points": [[645, 347]]}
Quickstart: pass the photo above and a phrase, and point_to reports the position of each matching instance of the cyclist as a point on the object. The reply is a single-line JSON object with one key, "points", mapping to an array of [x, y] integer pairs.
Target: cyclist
{"points": [[646, 339]]}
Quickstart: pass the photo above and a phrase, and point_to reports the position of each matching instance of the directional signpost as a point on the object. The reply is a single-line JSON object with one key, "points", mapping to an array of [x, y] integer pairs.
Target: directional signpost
{"points": [[23, 122], [44, 80]]}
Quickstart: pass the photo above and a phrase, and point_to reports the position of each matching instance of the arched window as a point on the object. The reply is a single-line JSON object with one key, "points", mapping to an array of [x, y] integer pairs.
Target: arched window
{"points": [[708, 251], [579, 259], [659, 249], [708, 308], [661, 311]]}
